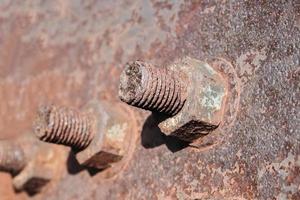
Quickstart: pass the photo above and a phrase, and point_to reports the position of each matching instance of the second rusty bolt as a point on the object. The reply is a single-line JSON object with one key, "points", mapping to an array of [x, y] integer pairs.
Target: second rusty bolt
{"points": [[100, 134], [62, 125]]}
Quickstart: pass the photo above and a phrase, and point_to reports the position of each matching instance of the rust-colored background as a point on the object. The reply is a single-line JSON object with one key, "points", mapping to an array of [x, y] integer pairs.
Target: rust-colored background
{"points": [[68, 52]]}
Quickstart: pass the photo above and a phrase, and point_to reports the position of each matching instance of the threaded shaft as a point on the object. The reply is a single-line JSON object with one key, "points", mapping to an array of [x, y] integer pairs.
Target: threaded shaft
{"points": [[12, 157], [145, 86], [61, 125]]}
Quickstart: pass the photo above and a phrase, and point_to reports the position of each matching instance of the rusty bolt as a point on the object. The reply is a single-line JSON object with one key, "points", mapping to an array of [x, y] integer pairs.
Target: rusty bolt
{"points": [[99, 134], [191, 91], [151, 88], [62, 125], [12, 157]]}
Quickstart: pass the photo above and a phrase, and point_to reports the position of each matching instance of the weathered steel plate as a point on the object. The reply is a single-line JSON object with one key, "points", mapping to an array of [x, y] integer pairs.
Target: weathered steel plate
{"points": [[68, 52]]}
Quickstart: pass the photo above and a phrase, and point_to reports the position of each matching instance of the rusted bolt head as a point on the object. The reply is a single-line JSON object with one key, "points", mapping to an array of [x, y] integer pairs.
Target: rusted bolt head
{"points": [[112, 131], [204, 106]]}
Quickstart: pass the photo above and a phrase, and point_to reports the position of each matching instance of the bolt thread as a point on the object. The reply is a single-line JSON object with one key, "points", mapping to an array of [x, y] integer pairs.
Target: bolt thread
{"points": [[151, 88], [12, 157], [61, 125]]}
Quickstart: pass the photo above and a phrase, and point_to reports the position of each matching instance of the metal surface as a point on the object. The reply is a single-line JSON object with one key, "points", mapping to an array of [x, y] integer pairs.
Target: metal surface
{"points": [[68, 52]]}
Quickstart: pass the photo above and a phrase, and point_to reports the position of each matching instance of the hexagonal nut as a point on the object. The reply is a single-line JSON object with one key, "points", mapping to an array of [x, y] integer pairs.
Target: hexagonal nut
{"points": [[38, 171], [204, 106], [112, 130]]}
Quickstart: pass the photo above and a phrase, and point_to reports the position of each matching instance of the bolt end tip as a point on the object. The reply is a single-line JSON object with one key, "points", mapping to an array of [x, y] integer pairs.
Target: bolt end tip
{"points": [[131, 81], [42, 122]]}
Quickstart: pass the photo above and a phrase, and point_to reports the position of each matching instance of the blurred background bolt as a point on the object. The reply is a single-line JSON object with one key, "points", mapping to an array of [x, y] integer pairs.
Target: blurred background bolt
{"points": [[62, 125], [40, 169], [100, 134], [12, 157], [31, 162], [151, 88]]}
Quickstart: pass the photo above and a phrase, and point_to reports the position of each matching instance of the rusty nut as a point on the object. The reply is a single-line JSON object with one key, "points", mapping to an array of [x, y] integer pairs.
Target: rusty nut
{"points": [[203, 109], [112, 130]]}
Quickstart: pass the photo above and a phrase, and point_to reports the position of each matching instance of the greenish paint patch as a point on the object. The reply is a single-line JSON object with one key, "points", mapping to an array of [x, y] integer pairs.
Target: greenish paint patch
{"points": [[209, 69], [212, 98], [117, 131]]}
